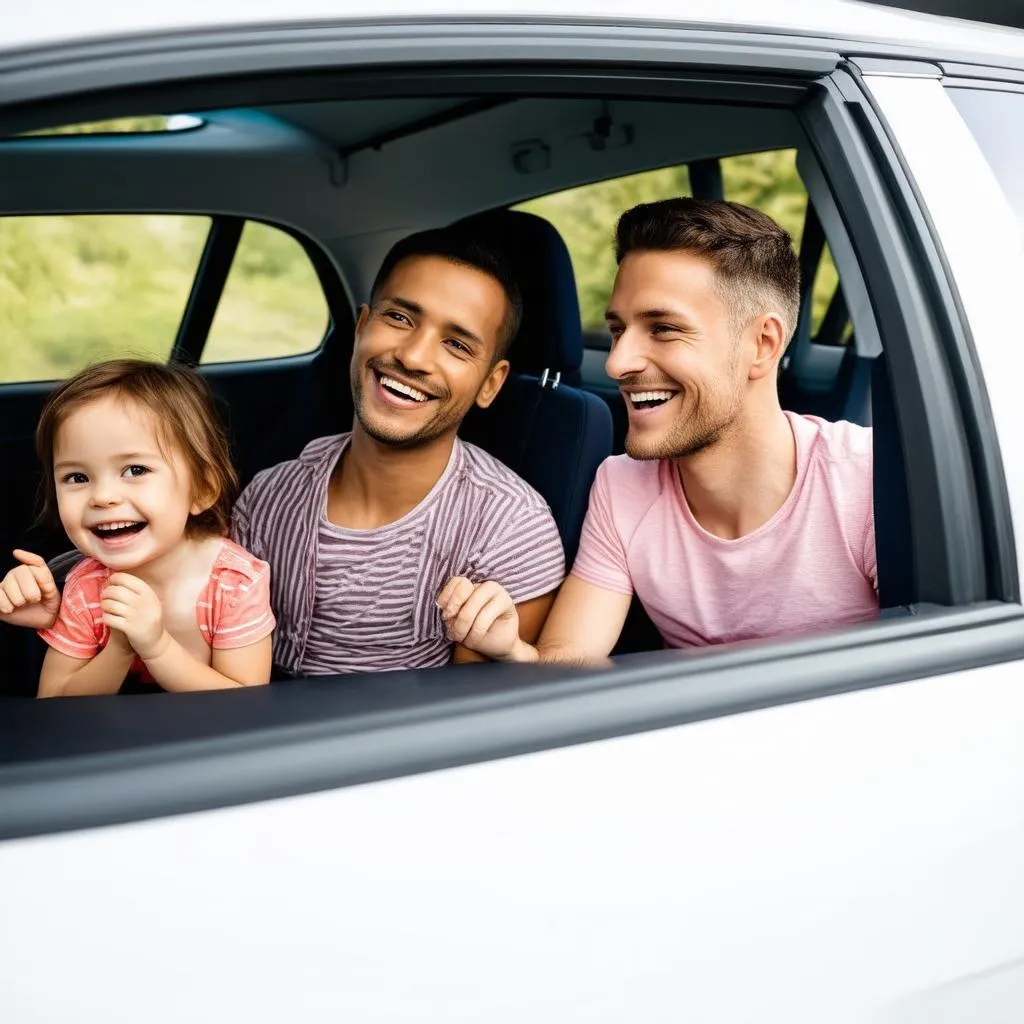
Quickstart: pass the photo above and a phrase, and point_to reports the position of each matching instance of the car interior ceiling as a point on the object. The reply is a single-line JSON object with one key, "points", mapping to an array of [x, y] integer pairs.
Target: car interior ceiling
{"points": [[352, 177]]}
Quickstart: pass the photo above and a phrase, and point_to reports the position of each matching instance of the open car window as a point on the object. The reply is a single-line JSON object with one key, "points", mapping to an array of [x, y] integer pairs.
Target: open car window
{"points": [[280, 369]]}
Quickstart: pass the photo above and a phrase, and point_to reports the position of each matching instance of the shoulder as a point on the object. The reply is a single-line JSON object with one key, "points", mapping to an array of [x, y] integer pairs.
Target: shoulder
{"points": [[840, 444], [494, 481], [628, 488], [622, 471], [236, 570], [318, 456]]}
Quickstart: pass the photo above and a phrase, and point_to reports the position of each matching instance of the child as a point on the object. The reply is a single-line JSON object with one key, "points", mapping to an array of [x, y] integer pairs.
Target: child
{"points": [[136, 466]]}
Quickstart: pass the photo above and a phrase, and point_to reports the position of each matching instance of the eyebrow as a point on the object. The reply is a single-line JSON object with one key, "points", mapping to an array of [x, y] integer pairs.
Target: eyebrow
{"points": [[451, 327], [126, 457], [649, 314]]}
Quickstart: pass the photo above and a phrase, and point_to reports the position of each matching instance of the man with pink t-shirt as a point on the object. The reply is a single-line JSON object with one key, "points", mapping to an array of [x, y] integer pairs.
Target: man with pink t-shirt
{"points": [[729, 518]]}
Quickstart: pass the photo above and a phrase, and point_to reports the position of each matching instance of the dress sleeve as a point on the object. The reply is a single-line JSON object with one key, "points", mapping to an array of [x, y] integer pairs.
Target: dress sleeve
{"points": [[241, 606], [79, 631]]}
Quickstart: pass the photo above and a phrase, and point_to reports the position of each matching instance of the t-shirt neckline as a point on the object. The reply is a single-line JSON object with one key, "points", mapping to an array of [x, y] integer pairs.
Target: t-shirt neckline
{"points": [[419, 509], [781, 513]]}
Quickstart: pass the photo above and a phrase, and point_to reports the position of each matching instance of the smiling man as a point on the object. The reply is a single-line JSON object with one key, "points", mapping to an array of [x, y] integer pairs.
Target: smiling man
{"points": [[364, 529], [729, 518]]}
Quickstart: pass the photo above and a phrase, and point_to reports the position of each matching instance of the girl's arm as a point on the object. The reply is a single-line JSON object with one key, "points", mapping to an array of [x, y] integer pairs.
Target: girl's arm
{"points": [[130, 605], [175, 669], [64, 676]]}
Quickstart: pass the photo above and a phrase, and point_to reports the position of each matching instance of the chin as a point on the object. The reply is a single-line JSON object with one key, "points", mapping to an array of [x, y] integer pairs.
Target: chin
{"points": [[647, 448]]}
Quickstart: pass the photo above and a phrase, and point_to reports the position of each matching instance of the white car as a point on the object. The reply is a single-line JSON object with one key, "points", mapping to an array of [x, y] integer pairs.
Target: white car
{"points": [[826, 827]]}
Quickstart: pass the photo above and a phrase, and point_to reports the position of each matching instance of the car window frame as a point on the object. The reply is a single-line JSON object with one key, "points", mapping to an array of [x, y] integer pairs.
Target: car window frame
{"points": [[315, 734]]}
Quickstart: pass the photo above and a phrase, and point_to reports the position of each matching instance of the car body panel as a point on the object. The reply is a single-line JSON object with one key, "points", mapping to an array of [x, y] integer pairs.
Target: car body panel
{"points": [[831, 860], [45, 22]]}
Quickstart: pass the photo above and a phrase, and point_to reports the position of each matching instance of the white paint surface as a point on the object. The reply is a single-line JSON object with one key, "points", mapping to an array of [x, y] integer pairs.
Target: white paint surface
{"points": [[849, 859]]}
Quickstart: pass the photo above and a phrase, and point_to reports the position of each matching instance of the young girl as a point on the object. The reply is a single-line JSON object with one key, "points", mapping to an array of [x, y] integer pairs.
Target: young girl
{"points": [[137, 468]]}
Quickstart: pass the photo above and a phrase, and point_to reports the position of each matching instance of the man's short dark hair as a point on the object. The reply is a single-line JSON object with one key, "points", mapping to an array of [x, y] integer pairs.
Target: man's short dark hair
{"points": [[461, 247], [752, 255]]}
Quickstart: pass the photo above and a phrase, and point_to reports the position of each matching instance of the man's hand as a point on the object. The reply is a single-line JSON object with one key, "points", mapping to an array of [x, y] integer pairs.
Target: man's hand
{"points": [[483, 618], [28, 593], [130, 605]]}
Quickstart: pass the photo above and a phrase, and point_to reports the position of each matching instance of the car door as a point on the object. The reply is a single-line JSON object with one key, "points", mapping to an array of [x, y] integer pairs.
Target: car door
{"points": [[823, 827]]}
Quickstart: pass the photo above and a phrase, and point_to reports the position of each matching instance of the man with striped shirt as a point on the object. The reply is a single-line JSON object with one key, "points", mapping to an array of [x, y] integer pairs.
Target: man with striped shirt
{"points": [[364, 529]]}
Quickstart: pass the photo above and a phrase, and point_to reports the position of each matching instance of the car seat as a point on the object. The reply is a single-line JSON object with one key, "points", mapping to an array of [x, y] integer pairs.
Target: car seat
{"points": [[551, 433]]}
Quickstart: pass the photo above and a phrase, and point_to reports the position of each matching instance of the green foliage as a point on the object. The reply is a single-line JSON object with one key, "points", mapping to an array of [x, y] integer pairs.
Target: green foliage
{"points": [[75, 289], [118, 126], [586, 218], [273, 304]]}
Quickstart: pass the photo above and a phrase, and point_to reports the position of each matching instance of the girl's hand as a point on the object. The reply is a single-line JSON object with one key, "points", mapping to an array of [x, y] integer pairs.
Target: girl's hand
{"points": [[131, 606], [28, 593]]}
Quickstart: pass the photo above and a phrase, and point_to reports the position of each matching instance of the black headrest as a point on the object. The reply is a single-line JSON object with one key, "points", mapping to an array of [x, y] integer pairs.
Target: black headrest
{"points": [[550, 337]]}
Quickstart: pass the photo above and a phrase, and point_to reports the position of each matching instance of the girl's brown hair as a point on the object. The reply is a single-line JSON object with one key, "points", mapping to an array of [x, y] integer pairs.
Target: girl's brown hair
{"points": [[186, 420]]}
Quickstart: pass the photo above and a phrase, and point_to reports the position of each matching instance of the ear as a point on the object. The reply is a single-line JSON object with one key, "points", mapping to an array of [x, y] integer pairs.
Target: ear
{"points": [[497, 376], [364, 315], [205, 498], [769, 336]]}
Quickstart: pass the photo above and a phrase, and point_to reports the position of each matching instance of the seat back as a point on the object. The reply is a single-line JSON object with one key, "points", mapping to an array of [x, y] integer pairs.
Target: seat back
{"points": [[549, 432], [554, 438]]}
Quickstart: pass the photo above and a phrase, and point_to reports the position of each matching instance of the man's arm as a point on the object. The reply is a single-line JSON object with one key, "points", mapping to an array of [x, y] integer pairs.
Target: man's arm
{"points": [[585, 623], [583, 626]]}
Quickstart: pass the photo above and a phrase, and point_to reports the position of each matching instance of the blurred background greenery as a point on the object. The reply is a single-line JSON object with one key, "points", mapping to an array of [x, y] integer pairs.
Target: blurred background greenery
{"points": [[74, 289]]}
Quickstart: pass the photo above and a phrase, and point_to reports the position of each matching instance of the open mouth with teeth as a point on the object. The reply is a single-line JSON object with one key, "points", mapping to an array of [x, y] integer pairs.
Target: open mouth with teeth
{"points": [[119, 530], [401, 393], [650, 399]]}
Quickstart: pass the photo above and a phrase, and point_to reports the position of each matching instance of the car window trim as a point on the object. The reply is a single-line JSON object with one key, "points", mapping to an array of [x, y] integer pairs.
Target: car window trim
{"points": [[961, 525], [207, 287], [983, 447], [312, 735]]}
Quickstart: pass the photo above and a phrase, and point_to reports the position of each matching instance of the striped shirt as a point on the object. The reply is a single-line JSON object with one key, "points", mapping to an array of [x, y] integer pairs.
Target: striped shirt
{"points": [[232, 610], [364, 600]]}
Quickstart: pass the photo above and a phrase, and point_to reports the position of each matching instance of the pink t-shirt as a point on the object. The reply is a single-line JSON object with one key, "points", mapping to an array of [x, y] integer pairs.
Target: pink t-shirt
{"points": [[233, 609], [810, 567]]}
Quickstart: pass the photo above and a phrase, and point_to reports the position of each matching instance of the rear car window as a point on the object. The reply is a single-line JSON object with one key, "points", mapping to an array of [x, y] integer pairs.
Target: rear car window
{"points": [[79, 288], [994, 119], [272, 304]]}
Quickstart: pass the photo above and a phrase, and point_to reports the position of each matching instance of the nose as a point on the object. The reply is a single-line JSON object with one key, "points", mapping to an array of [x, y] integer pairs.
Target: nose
{"points": [[104, 493], [627, 355], [418, 350]]}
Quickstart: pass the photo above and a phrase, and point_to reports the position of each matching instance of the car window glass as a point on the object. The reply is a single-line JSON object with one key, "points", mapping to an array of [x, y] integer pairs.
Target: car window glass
{"points": [[272, 304], [586, 218], [144, 125], [992, 117], [75, 289]]}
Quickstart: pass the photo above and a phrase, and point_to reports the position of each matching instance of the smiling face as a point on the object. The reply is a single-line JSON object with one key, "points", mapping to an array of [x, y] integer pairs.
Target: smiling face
{"points": [[424, 351], [682, 367], [120, 498]]}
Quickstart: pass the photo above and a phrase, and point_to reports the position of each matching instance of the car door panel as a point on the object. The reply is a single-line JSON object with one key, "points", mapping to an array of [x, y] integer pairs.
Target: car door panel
{"points": [[823, 860]]}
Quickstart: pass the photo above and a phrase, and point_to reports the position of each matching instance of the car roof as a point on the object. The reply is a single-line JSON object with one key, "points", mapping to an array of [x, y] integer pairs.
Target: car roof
{"points": [[49, 22]]}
